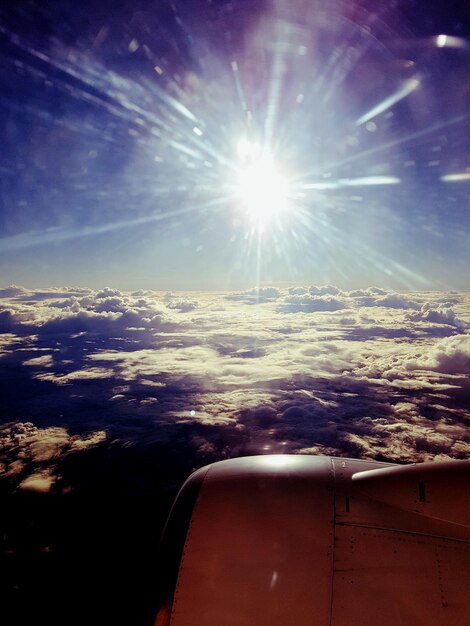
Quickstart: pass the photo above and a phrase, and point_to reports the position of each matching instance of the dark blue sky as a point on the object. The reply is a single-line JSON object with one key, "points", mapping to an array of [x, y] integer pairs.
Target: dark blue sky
{"points": [[121, 125]]}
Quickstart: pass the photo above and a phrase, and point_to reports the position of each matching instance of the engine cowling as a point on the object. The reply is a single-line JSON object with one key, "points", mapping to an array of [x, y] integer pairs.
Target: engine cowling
{"points": [[301, 540]]}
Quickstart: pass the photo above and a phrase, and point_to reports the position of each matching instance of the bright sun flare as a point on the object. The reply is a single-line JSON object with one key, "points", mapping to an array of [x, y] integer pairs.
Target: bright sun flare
{"points": [[261, 187]]}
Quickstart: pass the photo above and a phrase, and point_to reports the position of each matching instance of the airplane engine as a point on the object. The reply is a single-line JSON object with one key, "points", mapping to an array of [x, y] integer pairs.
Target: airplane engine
{"points": [[294, 540]]}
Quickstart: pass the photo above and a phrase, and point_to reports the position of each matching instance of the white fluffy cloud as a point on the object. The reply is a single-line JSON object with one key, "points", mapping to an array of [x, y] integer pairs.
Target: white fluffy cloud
{"points": [[436, 314], [256, 295], [447, 356], [308, 303], [12, 291]]}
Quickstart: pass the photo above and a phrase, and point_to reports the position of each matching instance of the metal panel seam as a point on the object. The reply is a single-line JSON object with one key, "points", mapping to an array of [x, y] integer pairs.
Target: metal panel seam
{"points": [[405, 532]]}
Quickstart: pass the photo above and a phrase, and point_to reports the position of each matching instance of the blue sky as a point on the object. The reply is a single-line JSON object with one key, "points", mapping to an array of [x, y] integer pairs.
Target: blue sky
{"points": [[128, 136]]}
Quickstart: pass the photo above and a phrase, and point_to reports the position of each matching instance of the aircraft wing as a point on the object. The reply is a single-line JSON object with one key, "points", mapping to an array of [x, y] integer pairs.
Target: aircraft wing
{"points": [[297, 540]]}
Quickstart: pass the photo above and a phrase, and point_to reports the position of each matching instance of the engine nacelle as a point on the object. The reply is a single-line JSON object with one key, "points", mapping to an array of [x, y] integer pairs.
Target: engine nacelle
{"points": [[302, 540]]}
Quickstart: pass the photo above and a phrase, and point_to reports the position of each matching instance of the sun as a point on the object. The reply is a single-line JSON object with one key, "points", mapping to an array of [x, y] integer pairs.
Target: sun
{"points": [[262, 188]]}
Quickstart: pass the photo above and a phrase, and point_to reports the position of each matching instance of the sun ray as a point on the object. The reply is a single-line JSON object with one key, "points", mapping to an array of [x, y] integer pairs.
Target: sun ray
{"points": [[405, 90]]}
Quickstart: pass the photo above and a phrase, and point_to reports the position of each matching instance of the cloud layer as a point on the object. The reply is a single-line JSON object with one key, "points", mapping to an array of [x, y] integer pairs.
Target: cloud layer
{"points": [[199, 377]]}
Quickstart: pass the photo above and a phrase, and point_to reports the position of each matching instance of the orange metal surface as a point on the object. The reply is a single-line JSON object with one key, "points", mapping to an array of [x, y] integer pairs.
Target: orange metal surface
{"points": [[259, 546], [394, 563], [437, 490], [300, 540]]}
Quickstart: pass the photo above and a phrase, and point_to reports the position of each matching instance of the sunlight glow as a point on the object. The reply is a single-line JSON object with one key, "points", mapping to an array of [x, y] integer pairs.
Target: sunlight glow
{"points": [[279, 460], [262, 187]]}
